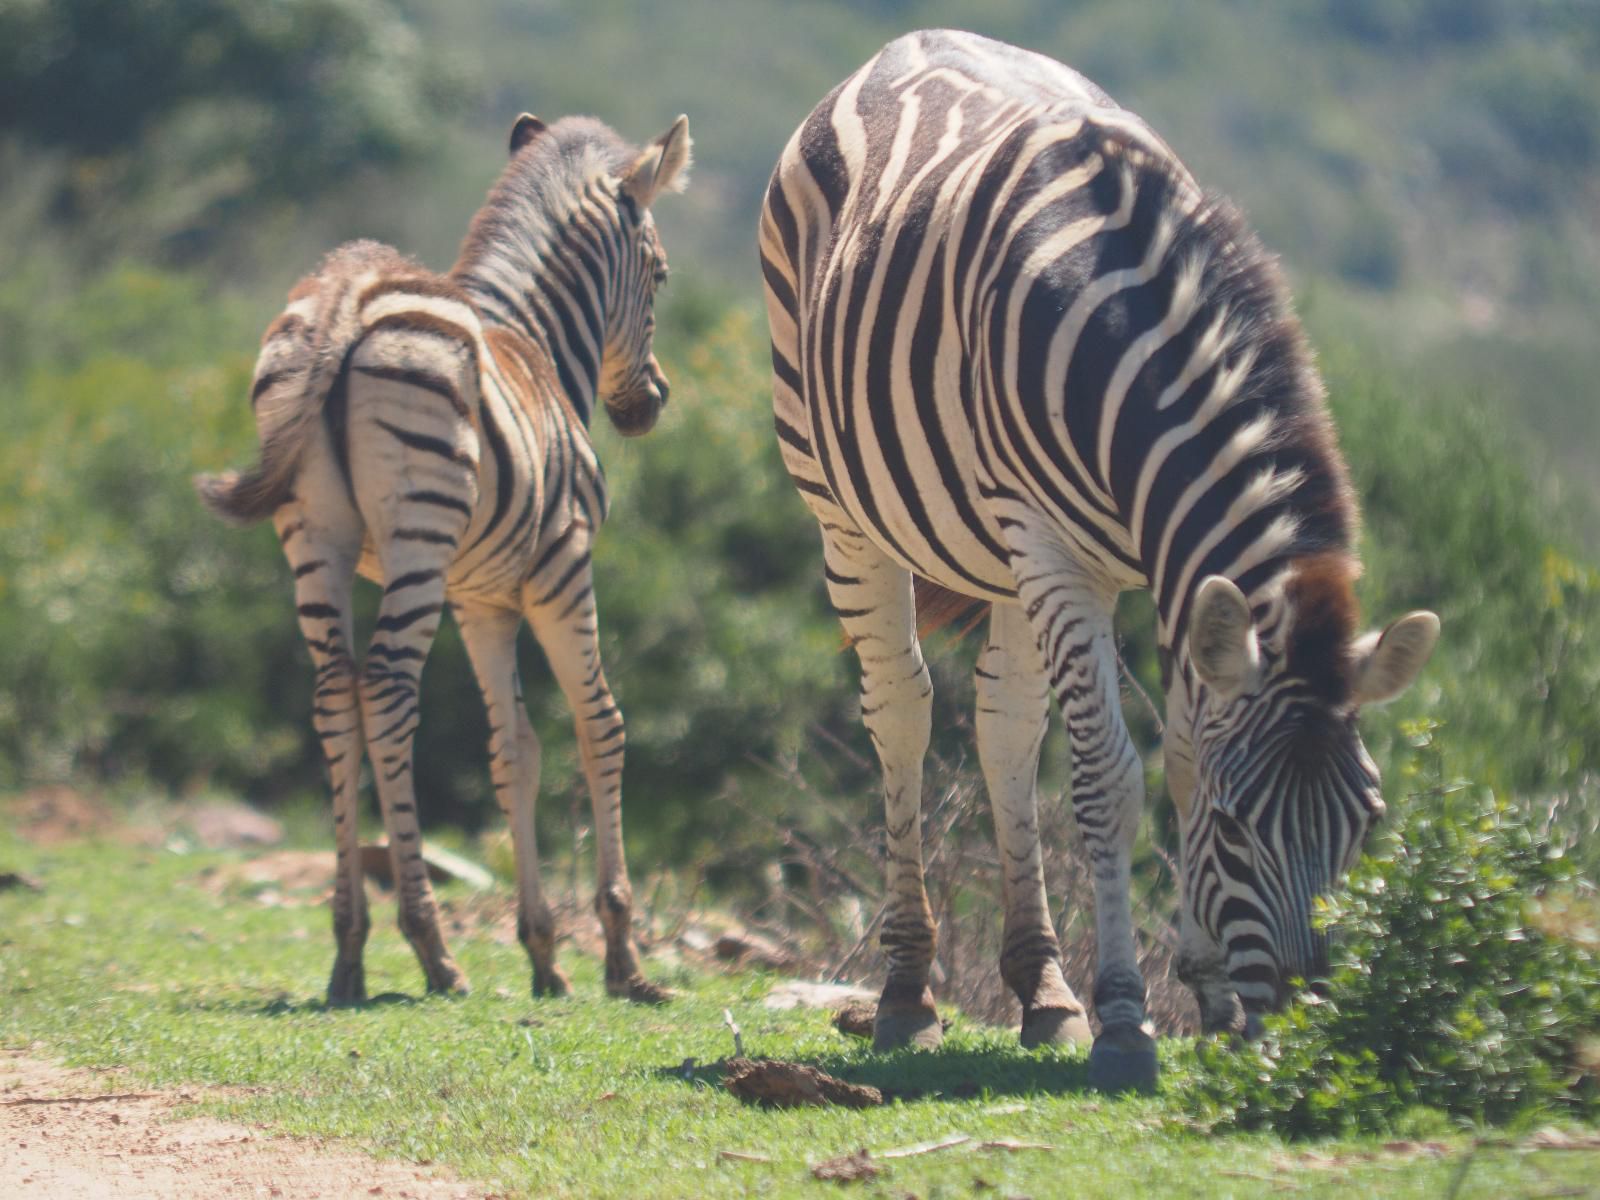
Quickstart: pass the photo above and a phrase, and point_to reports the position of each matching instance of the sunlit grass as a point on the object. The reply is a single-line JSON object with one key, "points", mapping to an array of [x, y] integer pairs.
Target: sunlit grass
{"points": [[126, 960]]}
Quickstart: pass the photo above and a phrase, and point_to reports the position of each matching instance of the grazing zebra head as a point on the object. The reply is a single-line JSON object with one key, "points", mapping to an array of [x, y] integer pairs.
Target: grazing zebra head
{"points": [[1283, 793], [586, 268]]}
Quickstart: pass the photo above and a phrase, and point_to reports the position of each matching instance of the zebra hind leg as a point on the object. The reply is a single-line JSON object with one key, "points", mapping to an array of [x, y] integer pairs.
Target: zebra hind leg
{"points": [[413, 472], [390, 691], [873, 597], [490, 635], [565, 622], [322, 543], [1012, 711]]}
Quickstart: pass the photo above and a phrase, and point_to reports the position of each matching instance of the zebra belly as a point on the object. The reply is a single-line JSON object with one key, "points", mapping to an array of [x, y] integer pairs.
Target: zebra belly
{"points": [[912, 489]]}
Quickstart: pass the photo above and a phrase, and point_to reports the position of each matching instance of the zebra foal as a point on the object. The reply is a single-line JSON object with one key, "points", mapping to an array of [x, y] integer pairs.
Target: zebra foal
{"points": [[431, 433], [1019, 354]]}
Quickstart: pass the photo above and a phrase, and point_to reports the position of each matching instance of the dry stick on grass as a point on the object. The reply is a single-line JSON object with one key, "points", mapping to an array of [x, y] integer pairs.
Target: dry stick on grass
{"points": [[738, 1040], [949, 1143], [81, 1099], [1013, 1145]]}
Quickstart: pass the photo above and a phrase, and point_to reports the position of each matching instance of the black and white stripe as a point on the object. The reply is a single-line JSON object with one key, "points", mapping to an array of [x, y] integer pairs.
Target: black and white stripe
{"points": [[430, 432], [1019, 354]]}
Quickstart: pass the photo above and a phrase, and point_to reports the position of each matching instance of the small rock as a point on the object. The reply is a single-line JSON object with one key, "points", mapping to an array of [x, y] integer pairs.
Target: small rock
{"points": [[443, 867], [229, 825], [801, 993], [855, 1018], [751, 949]]}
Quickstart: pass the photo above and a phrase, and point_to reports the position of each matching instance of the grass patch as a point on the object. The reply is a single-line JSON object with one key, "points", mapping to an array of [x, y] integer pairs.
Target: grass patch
{"points": [[124, 960]]}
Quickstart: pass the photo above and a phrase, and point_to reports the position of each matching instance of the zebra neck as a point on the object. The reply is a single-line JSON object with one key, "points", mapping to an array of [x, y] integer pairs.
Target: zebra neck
{"points": [[551, 287]]}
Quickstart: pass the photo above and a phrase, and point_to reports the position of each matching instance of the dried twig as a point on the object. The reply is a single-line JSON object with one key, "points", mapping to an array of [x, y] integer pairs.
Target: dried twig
{"points": [[738, 1040], [949, 1143], [1013, 1145], [1138, 689], [109, 1096], [742, 1156]]}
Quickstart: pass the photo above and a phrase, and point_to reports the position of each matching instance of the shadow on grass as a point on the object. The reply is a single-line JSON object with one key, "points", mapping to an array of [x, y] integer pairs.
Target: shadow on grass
{"points": [[949, 1073], [284, 1006]]}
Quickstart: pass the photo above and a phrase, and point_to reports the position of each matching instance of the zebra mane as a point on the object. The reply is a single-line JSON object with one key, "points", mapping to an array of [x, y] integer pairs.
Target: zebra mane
{"points": [[1296, 476], [543, 182]]}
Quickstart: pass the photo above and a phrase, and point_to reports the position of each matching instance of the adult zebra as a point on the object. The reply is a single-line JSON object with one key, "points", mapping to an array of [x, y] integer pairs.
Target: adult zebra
{"points": [[1019, 354], [431, 433]]}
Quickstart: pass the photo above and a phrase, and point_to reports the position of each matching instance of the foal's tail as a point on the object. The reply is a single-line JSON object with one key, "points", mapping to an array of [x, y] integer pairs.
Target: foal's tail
{"points": [[302, 354]]}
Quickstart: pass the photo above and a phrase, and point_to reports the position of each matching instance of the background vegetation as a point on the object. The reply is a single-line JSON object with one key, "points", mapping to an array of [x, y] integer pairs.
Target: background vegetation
{"points": [[1428, 169]]}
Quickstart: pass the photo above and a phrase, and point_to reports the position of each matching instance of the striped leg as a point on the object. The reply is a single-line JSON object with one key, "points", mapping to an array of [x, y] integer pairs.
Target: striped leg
{"points": [[873, 598], [1013, 708], [566, 626], [491, 638], [413, 470], [1203, 969], [408, 619], [322, 543], [1071, 617], [1200, 964]]}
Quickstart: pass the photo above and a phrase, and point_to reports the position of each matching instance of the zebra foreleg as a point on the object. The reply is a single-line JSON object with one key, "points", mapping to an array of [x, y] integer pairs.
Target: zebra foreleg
{"points": [[1012, 711], [567, 628], [323, 562], [1204, 971], [1071, 617], [873, 597], [1200, 964], [490, 635]]}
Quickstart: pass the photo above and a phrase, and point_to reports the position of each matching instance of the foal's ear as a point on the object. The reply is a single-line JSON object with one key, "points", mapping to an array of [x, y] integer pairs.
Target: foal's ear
{"points": [[662, 167], [1222, 638], [525, 130], [1388, 663]]}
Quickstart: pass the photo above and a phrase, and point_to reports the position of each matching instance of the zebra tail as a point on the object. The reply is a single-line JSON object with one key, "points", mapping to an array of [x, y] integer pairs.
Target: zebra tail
{"points": [[938, 608], [238, 497], [302, 354]]}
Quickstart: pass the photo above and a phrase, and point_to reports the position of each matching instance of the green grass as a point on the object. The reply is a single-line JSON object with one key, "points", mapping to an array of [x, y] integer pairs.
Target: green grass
{"points": [[125, 960]]}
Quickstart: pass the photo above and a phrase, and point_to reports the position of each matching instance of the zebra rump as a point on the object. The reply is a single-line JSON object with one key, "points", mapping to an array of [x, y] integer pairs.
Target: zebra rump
{"points": [[303, 356]]}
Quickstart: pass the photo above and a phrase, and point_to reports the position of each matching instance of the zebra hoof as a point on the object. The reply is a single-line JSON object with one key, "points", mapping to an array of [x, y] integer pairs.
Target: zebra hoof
{"points": [[639, 990], [1123, 1060], [918, 1027], [447, 979], [1055, 1027], [550, 983], [347, 986]]}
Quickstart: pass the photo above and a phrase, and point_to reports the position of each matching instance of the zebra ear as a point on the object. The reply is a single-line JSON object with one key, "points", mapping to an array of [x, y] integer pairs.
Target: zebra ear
{"points": [[1222, 638], [663, 167], [525, 130], [1388, 663]]}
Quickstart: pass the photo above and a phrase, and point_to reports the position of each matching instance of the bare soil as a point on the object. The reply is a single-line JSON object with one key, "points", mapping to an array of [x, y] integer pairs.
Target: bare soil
{"points": [[66, 1135]]}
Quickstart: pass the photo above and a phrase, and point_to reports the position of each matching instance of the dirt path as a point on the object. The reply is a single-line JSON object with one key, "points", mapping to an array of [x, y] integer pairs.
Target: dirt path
{"points": [[64, 1136]]}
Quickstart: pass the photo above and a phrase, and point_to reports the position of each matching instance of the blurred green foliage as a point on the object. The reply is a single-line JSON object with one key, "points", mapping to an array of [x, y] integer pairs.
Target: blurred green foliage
{"points": [[199, 114], [1466, 982]]}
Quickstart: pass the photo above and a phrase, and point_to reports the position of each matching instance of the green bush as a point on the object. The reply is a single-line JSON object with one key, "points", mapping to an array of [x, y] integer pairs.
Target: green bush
{"points": [[1466, 981]]}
